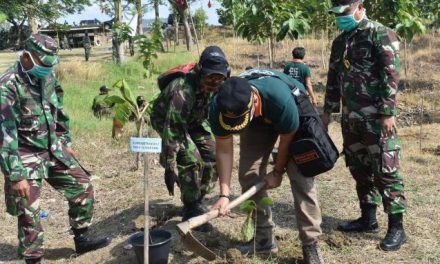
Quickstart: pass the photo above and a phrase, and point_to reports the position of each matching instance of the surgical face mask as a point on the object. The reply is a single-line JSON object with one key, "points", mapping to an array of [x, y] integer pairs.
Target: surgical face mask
{"points": [[38, 70], [348, 22]]}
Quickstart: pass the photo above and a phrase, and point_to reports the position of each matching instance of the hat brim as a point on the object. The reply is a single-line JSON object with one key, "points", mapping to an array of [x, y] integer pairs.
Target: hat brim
{"points": [[235, 124], [338, 9], [207, 72]]}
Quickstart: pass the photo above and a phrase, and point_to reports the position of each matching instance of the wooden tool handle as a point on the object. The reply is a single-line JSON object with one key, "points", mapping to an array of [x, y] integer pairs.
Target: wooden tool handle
{"points": [[204, 218]]}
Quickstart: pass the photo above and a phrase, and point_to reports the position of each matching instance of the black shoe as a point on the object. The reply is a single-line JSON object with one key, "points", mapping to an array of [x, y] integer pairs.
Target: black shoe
{"points": [[33, 261], [395, 236], [85, 243], [312, 254], [366, 223], [195, 209]]}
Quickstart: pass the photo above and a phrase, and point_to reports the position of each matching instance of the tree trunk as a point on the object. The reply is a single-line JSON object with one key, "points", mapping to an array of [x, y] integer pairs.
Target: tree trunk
{"points": [[188, 36], [140, 28], [323, 60], [405, 52], [118, 47], [176, 30], [32, 22], [156, 10], [270, 53], [258, 55]]}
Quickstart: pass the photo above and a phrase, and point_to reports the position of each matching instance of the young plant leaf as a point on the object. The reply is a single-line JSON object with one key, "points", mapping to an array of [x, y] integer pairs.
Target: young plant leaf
{"points": [[248, 206], [266, 201], [248, 228]]}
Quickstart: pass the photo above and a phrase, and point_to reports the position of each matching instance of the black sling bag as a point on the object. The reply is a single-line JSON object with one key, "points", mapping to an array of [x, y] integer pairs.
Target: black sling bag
{"points": [[312, 149]]}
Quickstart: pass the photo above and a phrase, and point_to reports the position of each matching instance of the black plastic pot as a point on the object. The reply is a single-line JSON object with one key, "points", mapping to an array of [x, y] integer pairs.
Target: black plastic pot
{"points": [[159, 246]]}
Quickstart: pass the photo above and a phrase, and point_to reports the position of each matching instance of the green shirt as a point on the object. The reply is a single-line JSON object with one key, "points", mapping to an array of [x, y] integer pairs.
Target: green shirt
{"points": [[278, 104], [298, 70]]}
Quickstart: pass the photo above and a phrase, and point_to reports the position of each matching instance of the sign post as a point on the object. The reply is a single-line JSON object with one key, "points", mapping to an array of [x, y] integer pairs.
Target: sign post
{"points": [[146, 145]]}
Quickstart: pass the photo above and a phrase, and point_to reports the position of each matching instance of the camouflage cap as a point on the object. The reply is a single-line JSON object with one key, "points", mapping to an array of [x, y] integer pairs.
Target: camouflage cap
{"points": [[45, 47], [339, 6]]}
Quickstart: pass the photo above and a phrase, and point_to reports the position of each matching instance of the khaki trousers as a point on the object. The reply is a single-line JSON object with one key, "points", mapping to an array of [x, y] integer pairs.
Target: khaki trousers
{"points": [[256, 144]]}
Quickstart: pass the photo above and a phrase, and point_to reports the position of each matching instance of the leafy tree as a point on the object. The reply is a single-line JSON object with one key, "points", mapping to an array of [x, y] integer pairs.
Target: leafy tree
{"points": [[429, 12], [126, 106], [182, 8], [149, 46], [200, 19], [121, 33], [270, 20], [401, 15], [45, 11]]}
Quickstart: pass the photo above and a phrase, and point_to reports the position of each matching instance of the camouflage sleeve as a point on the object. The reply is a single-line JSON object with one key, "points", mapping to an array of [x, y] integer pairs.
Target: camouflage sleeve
{"points": [[332, 102], [175, 127], [62, 125], [10, 161], [387, 47]]}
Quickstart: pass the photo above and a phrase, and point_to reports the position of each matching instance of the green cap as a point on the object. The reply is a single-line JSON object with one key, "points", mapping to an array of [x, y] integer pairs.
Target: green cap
{"points": [[339, 6], [44, 47]]}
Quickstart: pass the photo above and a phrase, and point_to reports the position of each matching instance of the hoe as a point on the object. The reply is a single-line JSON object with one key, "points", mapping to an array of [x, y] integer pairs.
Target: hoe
{"points": [[184, 228]]}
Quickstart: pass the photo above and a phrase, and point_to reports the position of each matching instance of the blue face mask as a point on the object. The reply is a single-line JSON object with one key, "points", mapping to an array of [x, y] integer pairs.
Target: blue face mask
{"points": [[348, 22], [39, 71]]}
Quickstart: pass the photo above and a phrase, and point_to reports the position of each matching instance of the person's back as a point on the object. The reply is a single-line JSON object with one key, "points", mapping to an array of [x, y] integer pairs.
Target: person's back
{"points": [[87, 44], [298, 70]]}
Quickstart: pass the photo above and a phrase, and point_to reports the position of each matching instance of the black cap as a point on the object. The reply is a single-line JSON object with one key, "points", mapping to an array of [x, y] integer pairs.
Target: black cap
{"points": [[213, 61], [234, 101], [104, 88]]}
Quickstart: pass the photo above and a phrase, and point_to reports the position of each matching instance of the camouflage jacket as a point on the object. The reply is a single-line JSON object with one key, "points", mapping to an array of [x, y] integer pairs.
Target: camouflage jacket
{"points": [[180, 107], [32, 120], [364, 72]]}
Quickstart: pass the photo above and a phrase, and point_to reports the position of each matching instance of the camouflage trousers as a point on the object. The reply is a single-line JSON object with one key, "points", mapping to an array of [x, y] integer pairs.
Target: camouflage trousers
{"points": [[87, 53], [196, 165], [374, 163], [72, 183]]}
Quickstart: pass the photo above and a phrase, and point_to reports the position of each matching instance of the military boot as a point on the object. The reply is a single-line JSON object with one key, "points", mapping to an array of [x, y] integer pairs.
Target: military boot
{"points": [[312, 254], [195, 209], [84, 242], [33, 261], [395, 236], [366, 223]]}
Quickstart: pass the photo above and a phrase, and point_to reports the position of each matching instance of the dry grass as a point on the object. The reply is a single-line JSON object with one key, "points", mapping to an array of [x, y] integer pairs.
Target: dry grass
{"points": [[119, 190]]}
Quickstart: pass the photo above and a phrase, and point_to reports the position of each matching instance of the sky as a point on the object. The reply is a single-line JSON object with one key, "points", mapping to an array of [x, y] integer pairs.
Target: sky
{"points": [[92, 12]]}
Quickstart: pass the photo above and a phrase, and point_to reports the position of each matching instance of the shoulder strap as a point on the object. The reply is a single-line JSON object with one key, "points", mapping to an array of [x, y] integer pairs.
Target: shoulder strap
{"points": [[260, 73]]}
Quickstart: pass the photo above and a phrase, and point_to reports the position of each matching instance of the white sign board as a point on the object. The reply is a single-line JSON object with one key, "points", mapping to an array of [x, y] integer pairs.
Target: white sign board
{"points": [[146, 145]]}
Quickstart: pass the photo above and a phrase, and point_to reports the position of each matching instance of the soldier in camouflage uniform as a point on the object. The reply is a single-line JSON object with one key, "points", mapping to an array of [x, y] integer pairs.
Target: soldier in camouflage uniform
{"points": [[100, 107], [87, 44], [35, 145], [364, 73], [179, 115]]}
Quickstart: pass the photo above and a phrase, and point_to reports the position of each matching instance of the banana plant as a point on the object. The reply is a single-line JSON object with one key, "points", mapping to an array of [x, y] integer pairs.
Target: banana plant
{"points": [[250, 207], [126, 107]]}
